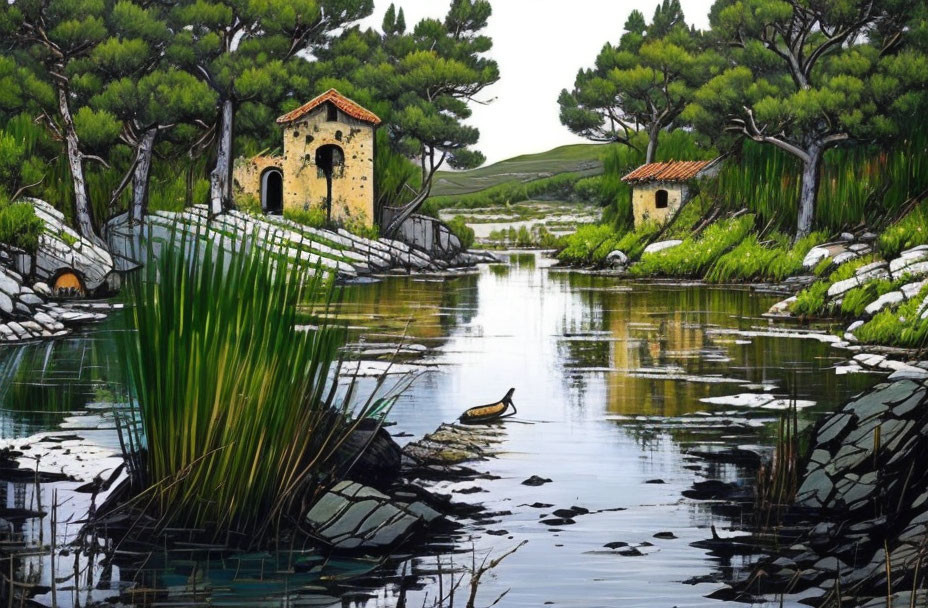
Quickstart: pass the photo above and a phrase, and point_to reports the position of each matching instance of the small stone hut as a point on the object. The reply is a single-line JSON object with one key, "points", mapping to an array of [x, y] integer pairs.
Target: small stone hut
{"points": [[660, 189], [327, 162]]}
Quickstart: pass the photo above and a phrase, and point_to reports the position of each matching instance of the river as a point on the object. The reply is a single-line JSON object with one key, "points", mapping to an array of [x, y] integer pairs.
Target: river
{"points": [[619, 385]]}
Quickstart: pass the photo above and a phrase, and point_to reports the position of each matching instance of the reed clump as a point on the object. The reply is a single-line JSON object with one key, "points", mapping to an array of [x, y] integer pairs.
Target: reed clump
{"points": [[235, 422]]}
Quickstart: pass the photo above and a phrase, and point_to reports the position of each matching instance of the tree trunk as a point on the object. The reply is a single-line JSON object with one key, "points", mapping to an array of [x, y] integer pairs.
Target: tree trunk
{"points": [[141, 175], [808, 191], [653, 134], [405, 211], [220, 189], [83, 213]]}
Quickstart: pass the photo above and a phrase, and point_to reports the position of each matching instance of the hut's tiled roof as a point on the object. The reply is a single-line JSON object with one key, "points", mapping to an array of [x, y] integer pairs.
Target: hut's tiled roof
{"points": [[341, 102], [673, 171]]}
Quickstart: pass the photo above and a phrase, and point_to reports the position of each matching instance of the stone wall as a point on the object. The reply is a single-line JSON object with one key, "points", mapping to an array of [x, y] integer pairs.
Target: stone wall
{"points": [[431, 236], [644, 201]]}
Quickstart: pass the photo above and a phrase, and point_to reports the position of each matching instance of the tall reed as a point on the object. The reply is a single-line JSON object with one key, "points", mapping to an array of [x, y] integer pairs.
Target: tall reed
{"points": [[236, 409]]}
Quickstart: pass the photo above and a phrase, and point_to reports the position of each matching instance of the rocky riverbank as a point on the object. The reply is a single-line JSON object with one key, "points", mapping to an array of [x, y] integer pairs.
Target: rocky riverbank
{"points": [[341, 253], [42, 294], [857, 531]]}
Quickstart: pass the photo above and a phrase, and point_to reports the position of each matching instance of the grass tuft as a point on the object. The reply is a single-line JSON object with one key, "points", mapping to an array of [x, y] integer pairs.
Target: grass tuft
{"points": [[238, 423]]}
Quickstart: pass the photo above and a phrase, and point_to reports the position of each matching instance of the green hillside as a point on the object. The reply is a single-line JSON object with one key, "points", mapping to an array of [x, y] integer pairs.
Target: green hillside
{"points": [[583, 159]]}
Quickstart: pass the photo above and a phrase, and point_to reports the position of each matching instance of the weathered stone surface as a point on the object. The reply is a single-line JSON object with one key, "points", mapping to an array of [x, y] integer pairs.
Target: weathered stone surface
{"points": [[616, 258], [832, 429], [90, 262], [782, 307], [815, 489], [661, 246], [354, 517], [887, 300]]}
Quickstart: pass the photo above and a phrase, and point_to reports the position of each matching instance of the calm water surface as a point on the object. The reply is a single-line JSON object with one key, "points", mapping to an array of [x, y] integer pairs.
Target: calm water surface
{"points": [[611, 380]]}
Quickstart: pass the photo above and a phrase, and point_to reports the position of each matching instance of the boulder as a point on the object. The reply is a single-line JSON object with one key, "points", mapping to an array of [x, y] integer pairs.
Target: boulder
{"points": [[352, 517], [616, 258], [661, 246], [886, 300], [782, 307], [899, 267], [61, 248]]}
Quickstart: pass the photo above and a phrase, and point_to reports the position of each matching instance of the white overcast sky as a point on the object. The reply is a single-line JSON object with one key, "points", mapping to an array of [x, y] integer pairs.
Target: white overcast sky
{"points": [[540, 45]]}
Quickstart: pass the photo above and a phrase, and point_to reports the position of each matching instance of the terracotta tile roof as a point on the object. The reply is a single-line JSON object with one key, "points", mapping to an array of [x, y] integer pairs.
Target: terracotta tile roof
{"points": [[341, 102], [673, 171]]}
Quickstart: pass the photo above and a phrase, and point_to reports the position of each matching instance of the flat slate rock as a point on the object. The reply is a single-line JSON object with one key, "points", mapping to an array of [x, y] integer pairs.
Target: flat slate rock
{"points": [[353, 517]]}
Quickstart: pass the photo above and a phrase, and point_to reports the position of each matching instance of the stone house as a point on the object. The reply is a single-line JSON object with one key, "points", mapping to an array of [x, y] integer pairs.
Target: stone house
{"points": [[660, 189], [327, 162]]}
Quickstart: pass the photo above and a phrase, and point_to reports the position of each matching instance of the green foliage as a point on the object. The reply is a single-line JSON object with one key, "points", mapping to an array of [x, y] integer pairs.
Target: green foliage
{"points": [[863, 184], [460, 229], [695, 255], [901, 327], [773, 260], [591, 244], [249, 203], [557, 187], [538, 236], [811, 301], [789, 86], [19, 225], [856, 300], [313, 217], [910, 231], [643, 83], [237, 417]]}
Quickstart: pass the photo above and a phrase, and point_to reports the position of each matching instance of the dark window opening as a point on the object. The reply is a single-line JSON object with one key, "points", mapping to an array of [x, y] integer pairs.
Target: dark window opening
{"points": [[272, 191], [331, 113], [338, 135], [330, 164], [660, 199], [309, 139], [296, 133]]}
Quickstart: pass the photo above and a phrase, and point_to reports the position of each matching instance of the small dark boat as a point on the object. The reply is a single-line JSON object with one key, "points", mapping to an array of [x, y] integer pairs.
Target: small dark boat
{"points": [[490, 412]]}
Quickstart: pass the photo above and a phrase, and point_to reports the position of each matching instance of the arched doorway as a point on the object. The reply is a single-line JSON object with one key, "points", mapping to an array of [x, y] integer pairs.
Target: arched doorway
{"points": [[68, 284], [330, 163], [272, 191], [661, 199]]}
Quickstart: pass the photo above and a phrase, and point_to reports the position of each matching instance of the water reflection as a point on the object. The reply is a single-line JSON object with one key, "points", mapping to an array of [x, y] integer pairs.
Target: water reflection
{"points": [[610, 378]]}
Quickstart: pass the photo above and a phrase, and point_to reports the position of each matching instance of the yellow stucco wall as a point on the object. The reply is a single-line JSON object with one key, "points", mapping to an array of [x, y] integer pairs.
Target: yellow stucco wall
{"points": [[304, 184], [644, 205], [247, 173]]}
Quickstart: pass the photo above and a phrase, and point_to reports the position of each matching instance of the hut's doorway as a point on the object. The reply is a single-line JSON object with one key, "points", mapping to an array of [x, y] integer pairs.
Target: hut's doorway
{"points": [[330, 163], [272, 191], [68, 285]]}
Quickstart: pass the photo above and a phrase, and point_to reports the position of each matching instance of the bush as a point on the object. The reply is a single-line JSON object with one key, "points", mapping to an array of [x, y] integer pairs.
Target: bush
{"points": [[908, 232], [20, 226], [753, 260], [314, 217], [695, 256], [582, 244], [461, 230], [901, 327], [591, 244], [811, 300]]}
